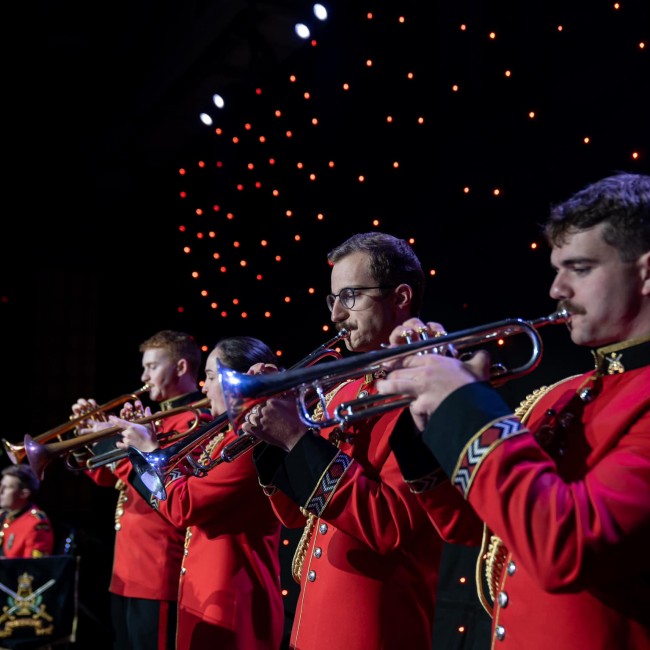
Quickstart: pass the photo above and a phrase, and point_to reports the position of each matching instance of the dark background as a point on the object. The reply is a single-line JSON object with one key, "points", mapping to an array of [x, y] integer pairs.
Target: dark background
{"points": [[103, 106]]}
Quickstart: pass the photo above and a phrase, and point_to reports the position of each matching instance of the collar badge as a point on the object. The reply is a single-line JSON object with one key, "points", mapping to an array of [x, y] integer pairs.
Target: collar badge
{"points": [[614, 364]]}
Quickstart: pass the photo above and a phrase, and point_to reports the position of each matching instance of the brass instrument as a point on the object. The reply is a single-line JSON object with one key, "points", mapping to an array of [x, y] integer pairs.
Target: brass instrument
{"points": [[99, 460], [40, 455], [154, 467], [17, 453], [242, 392]]}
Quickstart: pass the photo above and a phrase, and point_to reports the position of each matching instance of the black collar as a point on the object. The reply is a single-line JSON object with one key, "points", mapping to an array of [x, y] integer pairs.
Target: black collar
{"points": [[623, 356], [181, 400]]}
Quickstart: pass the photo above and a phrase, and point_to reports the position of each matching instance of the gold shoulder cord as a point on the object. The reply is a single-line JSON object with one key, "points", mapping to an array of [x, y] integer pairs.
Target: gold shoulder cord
{"points": [[301, 549], [491, 559], [186, 547], [206, 455], [119, 507]]}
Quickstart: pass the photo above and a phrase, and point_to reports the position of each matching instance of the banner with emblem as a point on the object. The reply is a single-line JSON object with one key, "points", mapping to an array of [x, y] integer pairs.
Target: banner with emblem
{"points": [[38, 601]]}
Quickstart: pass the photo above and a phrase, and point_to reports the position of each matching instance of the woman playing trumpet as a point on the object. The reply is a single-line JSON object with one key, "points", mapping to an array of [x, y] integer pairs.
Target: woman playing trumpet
{"points": [[229, 590]]}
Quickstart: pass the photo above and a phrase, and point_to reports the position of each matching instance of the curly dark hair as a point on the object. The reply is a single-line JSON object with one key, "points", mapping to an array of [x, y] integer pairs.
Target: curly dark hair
{"points": [[621, 202]]}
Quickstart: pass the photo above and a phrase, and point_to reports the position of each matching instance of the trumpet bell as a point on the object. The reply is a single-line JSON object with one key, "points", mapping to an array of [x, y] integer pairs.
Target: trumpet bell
{"points": [[150, 466], [155, 467], [37, 455], [15, 453], [238, 391], [242, 392]]}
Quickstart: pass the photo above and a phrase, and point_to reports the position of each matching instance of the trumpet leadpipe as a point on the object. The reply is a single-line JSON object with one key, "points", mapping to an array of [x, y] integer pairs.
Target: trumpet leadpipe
{"points": [[235, 449], [242, 392]]}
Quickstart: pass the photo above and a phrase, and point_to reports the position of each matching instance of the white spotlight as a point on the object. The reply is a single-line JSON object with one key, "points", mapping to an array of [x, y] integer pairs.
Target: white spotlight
{"points": [[206, 119], [218, 100], [320, 12], [302, 30]]}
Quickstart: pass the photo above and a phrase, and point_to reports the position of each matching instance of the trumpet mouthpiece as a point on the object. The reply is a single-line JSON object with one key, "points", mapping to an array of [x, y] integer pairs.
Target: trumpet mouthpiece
{"points": [[556, 318]]}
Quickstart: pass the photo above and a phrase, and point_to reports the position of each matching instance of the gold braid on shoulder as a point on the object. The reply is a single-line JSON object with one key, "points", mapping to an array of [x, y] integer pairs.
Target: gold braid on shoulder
{"points": [[492, 558], [206, 454], [120, 486], [303, 544], [203, 460]]}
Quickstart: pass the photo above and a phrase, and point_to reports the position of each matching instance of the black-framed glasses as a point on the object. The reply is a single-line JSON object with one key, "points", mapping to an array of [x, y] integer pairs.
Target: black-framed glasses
{"points": [[348, 295]]}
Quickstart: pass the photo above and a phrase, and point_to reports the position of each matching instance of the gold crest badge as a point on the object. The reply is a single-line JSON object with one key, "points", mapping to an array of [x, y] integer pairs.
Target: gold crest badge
{"points": [[25, 608], [615, 365]]}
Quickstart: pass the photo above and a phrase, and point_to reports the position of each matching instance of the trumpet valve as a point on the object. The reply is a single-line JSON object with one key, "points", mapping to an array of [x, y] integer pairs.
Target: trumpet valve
{"points": [[407, 335], [423, 332]]}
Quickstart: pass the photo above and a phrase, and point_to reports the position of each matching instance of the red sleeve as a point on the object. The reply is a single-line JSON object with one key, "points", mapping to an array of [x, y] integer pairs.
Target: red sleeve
{"points": [[584, 529]]}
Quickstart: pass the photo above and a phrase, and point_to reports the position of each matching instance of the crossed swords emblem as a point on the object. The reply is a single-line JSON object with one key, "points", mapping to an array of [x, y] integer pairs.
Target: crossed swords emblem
{"points": [[27, 602]]}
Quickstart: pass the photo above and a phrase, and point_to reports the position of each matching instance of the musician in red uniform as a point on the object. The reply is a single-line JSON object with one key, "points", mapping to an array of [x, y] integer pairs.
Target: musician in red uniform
{"points": [[368, 559], [25, 530], [229, 595], [563, 484], [148, 550]]}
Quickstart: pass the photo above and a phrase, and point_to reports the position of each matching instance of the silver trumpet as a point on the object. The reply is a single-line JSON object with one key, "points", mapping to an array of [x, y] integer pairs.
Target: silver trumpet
{"points": [[242, 392]]}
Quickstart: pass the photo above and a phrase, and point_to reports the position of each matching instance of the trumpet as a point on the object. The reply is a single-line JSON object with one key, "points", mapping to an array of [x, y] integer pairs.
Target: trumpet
{"points": [[242, 392], [99, 460], [17, 453], [154, 467], [40, 455]]}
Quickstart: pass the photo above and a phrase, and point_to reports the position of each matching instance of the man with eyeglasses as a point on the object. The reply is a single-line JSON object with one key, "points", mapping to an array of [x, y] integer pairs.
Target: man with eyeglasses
{"points": [[367, 562]]}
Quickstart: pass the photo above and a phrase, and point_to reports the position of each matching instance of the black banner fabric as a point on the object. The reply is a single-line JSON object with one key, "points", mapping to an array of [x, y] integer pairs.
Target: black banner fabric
{"points": [[38, 601]]}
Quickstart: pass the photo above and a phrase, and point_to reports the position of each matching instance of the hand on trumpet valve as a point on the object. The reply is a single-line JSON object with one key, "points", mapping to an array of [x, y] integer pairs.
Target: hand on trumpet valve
{"points": [[133, 434], [90, 426], [276, 422], [428, 379], [133, 411], [80, 408], [414, 330], [252, 416]]}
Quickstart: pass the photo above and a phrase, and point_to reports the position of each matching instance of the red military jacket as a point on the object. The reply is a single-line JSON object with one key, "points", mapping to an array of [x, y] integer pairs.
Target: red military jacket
{"points": [[229, 592], [25, 533], [566, 489], [148, 550], [368, 560]]}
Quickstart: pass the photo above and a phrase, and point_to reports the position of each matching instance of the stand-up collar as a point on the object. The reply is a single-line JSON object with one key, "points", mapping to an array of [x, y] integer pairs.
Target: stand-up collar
{"points": [[623, 356]]}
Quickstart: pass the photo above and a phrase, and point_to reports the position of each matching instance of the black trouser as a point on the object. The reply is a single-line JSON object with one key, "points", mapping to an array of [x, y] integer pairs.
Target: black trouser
{"points": [[142, 624]]}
